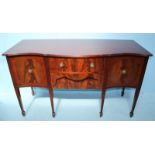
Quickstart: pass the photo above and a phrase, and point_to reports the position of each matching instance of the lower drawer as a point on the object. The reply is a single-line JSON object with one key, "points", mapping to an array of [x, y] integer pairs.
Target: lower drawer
{"points": [[76, 80]]}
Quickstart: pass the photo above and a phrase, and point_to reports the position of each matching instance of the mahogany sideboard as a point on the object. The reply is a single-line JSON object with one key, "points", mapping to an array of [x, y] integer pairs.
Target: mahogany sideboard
{"points": [[77, 64]]}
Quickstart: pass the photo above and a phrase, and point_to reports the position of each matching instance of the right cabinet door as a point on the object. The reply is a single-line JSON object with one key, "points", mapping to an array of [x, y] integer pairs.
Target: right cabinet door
{"points": [[124, 71]]}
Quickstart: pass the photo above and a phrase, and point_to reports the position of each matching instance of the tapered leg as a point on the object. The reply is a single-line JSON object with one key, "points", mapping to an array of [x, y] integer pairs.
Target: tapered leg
{"points": [[102, 102], [122, 93], [20, 100], [135, 101], [52, 104], [33, 93]]}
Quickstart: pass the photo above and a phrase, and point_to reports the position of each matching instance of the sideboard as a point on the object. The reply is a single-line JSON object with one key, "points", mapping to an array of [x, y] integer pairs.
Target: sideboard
{"points": [[77, 64]]}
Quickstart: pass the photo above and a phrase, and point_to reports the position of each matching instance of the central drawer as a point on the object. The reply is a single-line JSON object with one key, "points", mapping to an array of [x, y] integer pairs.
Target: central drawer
{"points": [[76, 73], [76, 64]]}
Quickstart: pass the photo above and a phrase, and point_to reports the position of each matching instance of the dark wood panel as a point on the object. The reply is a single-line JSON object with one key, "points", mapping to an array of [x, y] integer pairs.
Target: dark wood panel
{"points": [[28, 71], [124, 71], [77, 48], [93, 65], [76, 80]]}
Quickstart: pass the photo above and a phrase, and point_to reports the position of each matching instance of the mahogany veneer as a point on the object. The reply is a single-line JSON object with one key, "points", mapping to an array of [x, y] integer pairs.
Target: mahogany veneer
{"points": [[77, 64]]}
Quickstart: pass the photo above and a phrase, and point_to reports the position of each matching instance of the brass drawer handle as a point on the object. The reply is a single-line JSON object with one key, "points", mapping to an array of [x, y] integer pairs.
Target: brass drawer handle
{"points": [[92, 65], [30, 71], [62, 65], [124, 71]]}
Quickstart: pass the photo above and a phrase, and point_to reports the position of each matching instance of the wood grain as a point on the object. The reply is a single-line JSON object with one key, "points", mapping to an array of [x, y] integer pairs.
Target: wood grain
{"points": [[76, 81], [77, 48], [76, 73], [76, 64], [132, 67], [28, 71]]}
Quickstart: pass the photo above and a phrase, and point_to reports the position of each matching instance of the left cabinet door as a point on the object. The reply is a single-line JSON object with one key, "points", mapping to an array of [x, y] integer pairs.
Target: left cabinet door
{"points": [[28, 71]]}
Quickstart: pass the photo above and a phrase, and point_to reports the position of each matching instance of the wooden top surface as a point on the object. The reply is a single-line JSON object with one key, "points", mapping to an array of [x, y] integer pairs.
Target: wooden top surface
{"points": [[77, 48]]}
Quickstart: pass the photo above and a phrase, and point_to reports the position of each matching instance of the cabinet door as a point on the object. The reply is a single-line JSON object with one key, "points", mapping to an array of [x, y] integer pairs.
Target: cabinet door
{"points": [[28, 71], [124, 71]]}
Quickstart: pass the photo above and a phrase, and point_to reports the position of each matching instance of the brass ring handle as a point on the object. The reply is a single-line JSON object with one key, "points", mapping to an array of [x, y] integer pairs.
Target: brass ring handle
{"points": [[62, 65], [30, 71], [92, 65], [124, 71]]}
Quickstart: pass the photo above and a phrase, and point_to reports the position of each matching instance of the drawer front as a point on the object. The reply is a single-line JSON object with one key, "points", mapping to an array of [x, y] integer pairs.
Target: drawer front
{"points": [[76, 80], [76, 73], [28, 71], [76, 65], [124, 71]]}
